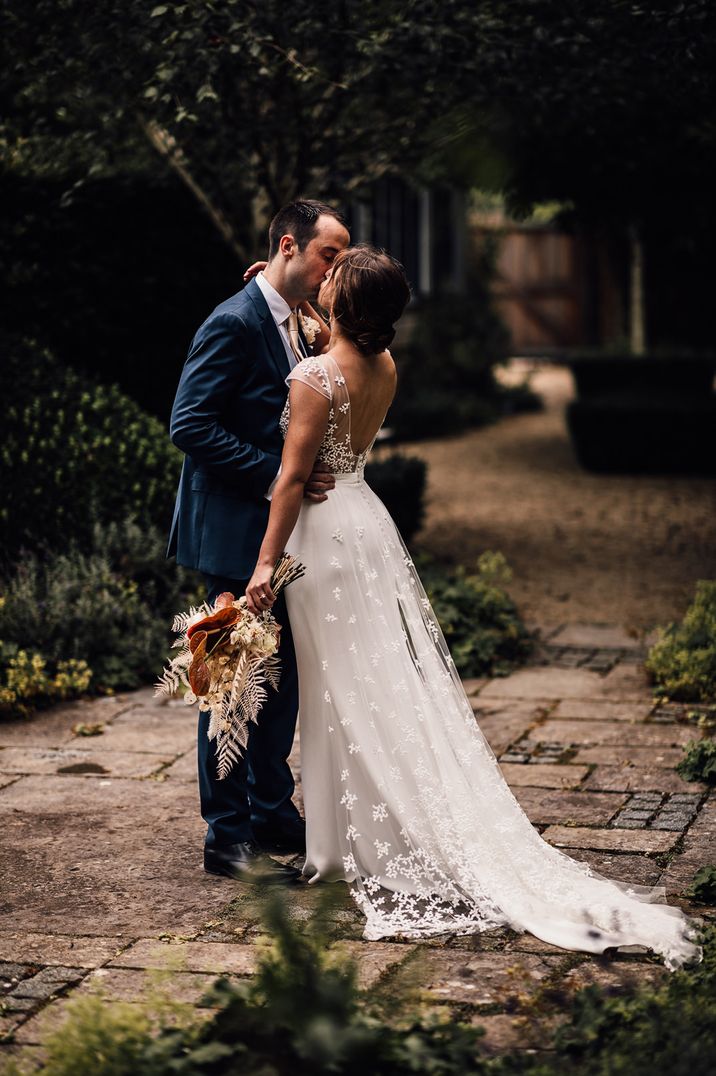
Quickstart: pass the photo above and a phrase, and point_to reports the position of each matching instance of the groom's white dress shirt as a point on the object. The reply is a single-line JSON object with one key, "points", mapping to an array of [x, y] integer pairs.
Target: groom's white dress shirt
{"points": [[280, 311]]}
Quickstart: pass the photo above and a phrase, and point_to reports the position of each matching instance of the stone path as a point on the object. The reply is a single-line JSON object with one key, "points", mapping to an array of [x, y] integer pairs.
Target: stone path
{"points": [[101, 849]]}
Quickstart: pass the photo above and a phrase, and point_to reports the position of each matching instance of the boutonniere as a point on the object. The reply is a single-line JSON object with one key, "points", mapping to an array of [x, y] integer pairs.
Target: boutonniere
{"points": [[310, 328]]}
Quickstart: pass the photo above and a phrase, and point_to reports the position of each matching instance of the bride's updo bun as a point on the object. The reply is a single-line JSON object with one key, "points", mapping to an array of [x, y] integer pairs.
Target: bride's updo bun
{"points": [[368, 292]]}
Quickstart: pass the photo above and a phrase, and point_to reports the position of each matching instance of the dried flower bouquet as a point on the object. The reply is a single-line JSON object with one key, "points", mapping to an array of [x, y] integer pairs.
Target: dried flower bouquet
{"points": [[227, 656]]}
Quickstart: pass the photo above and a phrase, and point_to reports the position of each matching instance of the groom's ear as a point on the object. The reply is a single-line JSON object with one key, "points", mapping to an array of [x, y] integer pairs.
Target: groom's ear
{"points": [[287, 246]]}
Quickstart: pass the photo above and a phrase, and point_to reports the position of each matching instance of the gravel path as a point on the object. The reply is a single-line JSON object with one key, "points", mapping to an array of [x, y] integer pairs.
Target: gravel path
{"points": [[620, 549]]}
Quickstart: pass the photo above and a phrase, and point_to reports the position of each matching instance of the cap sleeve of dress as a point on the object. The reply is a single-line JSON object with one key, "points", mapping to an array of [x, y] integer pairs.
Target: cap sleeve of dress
{"points": [[313, 373]]}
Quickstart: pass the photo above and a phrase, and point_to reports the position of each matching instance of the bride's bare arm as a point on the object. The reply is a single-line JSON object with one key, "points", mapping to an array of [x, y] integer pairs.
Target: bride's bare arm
{"points": [[309, 418]]}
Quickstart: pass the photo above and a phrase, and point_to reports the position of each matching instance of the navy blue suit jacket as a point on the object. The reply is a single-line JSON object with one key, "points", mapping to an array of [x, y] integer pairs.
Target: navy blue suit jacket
{"points": [[226, 420]]}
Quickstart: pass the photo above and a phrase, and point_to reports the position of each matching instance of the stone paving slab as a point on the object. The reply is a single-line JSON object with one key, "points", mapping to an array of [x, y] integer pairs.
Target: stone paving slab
{"points": [[629, 755], [544, 683], [625, 682], [213, 957], [133, 984], [625, 840], [607, 636], [184, 768], [81, 761], [484, 978], [53, 728], [638, 779], [60, 949], [374, 959], [111, 855], [501, 730], [166, 731], [546, 775], [601, 710], [699, 850], [613, 733], [502, 1032], [616, 977], [544, 807], [634, 869]]}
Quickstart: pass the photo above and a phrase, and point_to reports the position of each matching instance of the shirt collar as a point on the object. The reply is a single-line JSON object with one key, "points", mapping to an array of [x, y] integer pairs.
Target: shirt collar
{"points": [[276, 303]]}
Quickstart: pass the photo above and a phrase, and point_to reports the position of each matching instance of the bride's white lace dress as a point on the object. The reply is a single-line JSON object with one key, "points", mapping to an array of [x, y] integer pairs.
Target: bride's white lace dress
{"points": [[403, 796]]}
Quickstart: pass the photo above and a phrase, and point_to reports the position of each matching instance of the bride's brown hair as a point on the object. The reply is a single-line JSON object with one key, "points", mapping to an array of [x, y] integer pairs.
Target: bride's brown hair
{"points": [[369, 292]]}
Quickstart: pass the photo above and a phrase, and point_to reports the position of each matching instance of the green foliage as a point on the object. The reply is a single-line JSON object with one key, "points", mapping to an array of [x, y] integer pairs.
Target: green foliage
{"points": [[479, 619], [699, 762], [26, 683], [683, 660], [703, 887], [75, 454], [102, 1039], [399, 481], [672, 1026], [110, 608]]}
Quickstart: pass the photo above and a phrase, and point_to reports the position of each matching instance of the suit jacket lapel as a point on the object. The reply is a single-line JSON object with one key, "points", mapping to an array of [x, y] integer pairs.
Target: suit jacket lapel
{"points": [[276, 349]]}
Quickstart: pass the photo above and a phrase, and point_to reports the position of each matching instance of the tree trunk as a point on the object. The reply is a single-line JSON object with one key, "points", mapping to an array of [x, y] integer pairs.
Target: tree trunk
{"points": [[637, 306], [167, 146]]}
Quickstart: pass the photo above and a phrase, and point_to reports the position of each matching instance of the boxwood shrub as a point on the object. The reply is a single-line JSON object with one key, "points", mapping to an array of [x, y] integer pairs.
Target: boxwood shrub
{"points": [[75, 453]]}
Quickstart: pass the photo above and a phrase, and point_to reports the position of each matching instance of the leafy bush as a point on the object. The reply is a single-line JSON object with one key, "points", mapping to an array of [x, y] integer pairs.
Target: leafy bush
{"points": [[683, 660], [703, 887], [399, 481], [26, 683], [479, 619], [110, 608], [672, 1028], [699, 762], [75, 454]]}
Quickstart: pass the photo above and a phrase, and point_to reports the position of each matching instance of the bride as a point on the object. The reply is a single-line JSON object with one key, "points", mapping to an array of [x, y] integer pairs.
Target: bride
{"points": [[404, 798]]}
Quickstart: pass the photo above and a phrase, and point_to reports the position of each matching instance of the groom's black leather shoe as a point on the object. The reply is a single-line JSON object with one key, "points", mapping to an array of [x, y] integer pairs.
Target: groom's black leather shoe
{"points": [[246, 863], [283, 840]]}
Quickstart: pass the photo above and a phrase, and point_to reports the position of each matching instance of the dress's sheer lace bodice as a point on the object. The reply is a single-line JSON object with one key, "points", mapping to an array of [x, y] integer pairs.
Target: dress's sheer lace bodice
{"points": [[324, 375]]}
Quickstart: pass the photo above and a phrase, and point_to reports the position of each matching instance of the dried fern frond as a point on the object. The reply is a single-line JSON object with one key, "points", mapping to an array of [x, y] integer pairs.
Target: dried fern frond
{"points": [[167, 684]]}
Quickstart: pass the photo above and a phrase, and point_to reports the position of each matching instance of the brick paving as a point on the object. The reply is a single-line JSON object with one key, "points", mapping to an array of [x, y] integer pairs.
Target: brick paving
{"points": [[101, 849]]}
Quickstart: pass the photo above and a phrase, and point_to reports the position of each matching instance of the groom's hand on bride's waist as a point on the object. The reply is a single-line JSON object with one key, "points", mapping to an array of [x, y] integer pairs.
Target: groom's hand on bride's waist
{"points": [[320, 482]]}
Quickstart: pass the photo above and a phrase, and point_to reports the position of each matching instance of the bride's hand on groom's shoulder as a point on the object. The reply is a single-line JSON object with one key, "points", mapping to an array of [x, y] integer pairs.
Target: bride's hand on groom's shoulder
{"points": [[253, 270], [320, 482]]}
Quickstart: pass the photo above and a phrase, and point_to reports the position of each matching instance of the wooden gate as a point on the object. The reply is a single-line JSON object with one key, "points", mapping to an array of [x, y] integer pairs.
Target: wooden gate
{"points": [[552, 290]]}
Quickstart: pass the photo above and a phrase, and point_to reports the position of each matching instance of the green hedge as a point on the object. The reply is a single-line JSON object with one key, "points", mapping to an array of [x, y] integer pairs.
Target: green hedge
{"points": [[75, 454], [682, 662]]}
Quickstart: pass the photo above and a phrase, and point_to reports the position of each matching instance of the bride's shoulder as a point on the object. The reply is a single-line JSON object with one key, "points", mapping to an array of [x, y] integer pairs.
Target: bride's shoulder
{"points": [[313, 371]]}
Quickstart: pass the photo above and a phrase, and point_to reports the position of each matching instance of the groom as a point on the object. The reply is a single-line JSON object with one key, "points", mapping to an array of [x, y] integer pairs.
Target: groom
{"points": [[226, 420]]}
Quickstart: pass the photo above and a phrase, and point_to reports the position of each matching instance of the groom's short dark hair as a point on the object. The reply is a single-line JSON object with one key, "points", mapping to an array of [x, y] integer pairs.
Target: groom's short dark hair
{"points": [[299, 219]]}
